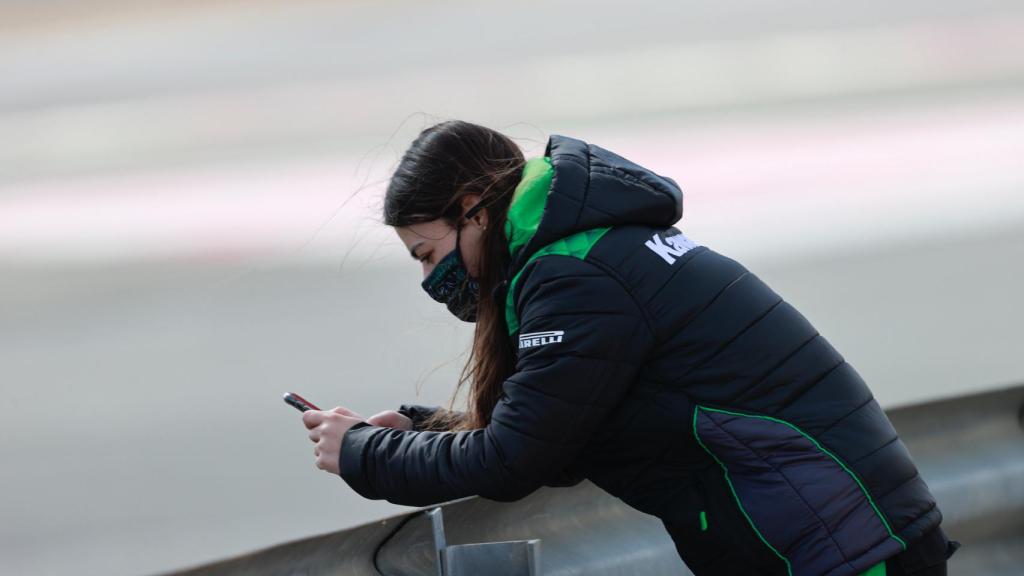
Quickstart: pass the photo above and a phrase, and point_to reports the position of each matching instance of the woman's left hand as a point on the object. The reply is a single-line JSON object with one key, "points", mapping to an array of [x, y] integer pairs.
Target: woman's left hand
{"points": [[326, 427]]}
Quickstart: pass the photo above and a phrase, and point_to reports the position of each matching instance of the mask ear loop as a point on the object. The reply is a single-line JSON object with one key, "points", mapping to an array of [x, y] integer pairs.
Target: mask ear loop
{"points": [[458, 230], [472, 211]]}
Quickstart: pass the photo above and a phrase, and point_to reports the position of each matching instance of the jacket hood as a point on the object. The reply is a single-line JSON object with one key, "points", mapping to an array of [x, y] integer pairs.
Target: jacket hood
{"points": [[578, 186]]}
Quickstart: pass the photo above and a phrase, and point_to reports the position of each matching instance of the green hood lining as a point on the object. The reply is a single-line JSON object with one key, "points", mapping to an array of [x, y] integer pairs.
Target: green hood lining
{"points": [[528, 201], [524, 215]]}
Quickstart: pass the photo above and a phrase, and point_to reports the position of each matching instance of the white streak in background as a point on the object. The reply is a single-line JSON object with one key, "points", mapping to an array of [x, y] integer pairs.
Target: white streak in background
{"points": [[758, 189], [806, 186], [194, 117], [227, 214]]}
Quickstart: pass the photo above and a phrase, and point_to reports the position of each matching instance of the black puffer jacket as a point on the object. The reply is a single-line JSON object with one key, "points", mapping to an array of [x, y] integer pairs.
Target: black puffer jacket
{"points": [[671, 377]]}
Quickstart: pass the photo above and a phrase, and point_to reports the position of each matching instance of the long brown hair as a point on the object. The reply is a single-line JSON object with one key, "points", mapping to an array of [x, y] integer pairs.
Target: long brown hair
{"points": [[444, 163]]}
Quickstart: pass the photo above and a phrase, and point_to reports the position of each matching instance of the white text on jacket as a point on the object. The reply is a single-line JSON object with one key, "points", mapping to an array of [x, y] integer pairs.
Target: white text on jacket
{"points": [[540, 338], [671, 247]]}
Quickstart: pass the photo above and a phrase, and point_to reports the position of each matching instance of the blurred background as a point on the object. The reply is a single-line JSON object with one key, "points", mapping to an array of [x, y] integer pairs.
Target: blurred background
{"points": [[189, 222]]}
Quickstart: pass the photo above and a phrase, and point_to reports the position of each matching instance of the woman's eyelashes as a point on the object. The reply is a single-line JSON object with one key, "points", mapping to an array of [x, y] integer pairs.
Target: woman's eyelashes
{"points": [[420, 256]]}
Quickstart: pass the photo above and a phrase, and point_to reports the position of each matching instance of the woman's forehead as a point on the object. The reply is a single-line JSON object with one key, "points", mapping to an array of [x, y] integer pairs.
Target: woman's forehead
{"points": [[424, 231]]}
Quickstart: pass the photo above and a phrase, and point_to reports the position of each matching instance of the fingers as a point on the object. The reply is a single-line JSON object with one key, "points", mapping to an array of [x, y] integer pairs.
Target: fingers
{"points": [[326, 430], [313, 418]]}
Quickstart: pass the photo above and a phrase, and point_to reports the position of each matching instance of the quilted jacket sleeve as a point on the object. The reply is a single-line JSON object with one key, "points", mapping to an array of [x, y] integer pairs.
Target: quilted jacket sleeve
{"points": [[582, 340]]}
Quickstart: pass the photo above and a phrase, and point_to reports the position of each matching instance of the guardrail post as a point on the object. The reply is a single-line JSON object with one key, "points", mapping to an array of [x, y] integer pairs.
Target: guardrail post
{"points": [[511, 558], [507, 558], [440, 542]]}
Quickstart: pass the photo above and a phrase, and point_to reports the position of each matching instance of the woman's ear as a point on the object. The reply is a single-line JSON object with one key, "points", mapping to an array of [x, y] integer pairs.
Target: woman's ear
{"points": [[479, 216]]}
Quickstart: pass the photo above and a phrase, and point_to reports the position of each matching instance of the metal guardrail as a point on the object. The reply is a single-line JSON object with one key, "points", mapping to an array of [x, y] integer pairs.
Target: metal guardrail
{"points": [[970, 451]]}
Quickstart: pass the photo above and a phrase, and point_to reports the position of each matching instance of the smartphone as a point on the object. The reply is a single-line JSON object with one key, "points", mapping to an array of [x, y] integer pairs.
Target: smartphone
{"points": [[300, 403]]}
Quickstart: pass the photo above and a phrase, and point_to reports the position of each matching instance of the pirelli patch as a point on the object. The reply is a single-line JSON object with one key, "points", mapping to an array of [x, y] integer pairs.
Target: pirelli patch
{"points": [[534, 339]]}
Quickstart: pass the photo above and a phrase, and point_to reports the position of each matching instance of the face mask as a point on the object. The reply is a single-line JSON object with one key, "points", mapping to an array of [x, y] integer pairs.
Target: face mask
{"points": [[449, 282]]}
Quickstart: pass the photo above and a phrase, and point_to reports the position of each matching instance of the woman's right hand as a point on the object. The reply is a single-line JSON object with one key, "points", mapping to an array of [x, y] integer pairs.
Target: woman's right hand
{"points": [[390, 419]]}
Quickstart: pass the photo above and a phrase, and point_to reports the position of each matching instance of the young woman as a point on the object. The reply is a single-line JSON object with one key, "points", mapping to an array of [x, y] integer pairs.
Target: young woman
{"points": [[610, 346]]}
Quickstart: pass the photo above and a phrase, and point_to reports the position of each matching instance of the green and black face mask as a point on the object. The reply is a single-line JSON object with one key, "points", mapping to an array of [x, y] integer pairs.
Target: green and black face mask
{"points": [[450, 283]]}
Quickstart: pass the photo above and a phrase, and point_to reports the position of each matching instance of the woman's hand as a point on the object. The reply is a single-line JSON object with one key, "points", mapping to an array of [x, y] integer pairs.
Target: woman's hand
{"points": [[326, 427], [391, 419]]}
